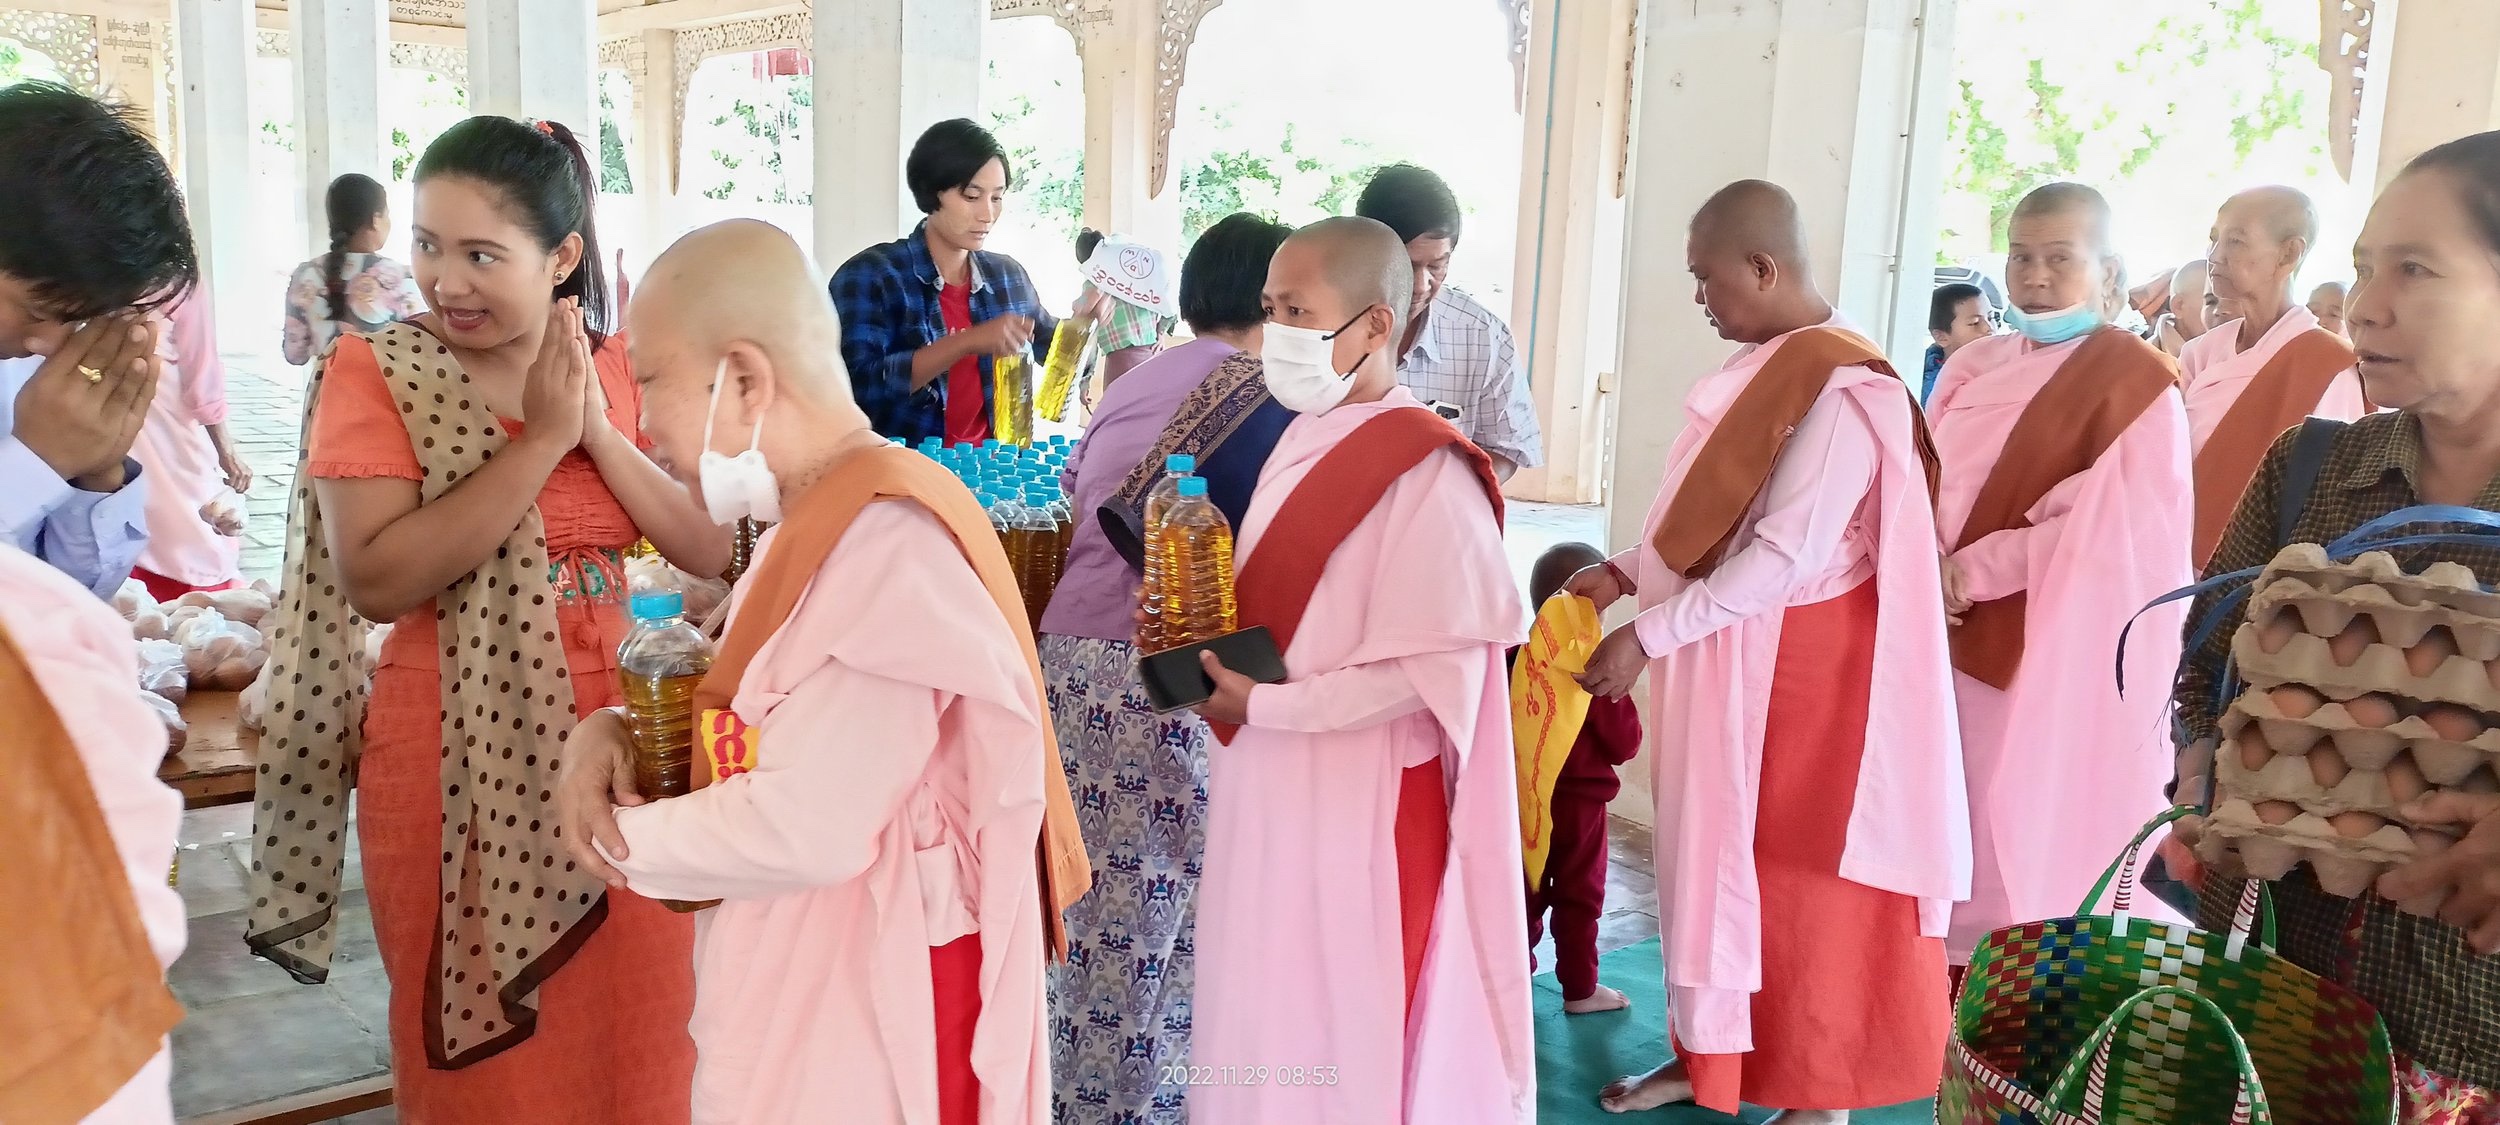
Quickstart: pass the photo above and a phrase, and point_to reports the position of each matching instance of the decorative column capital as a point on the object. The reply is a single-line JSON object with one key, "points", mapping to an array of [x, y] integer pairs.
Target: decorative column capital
{"points": [[2344, 28], [1515, 15], [1174, 36]]}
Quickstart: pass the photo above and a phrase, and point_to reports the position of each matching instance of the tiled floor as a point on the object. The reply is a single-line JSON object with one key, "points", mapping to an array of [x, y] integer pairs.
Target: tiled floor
{"points": [[254, 1034]]}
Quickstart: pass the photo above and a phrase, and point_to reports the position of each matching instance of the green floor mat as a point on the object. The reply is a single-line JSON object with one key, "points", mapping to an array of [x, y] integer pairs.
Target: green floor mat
{"points": [[1577, 1055]]}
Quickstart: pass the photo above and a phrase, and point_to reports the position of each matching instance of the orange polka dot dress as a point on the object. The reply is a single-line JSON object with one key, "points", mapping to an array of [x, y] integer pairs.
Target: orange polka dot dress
{"points": [[610, 1046]]}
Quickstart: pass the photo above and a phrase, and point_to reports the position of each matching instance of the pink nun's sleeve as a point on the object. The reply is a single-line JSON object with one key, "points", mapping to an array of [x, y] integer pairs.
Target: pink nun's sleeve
{"points": [[838, 757], [191, 331], [1364, 695], [1999, 565], [1812, 499]]}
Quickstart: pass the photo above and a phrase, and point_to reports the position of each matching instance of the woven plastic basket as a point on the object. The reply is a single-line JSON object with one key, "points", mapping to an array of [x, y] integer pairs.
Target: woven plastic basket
{"points": [[2037, 992]]}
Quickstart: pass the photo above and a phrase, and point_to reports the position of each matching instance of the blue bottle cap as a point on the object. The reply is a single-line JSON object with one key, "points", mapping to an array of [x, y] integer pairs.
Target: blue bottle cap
{"points": [[1180, 463], [652, 605], [1193, 486]]}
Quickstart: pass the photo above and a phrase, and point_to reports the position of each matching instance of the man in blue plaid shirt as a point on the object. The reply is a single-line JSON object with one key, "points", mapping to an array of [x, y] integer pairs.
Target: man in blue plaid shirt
{"points": [[923, 316]]}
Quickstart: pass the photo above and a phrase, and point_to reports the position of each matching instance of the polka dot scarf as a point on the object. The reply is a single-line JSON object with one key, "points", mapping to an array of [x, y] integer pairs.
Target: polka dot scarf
{"points": [[513, 907]]}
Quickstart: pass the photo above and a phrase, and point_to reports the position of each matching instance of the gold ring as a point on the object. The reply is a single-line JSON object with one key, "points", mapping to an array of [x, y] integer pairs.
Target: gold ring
{"points": [[94, 375]]}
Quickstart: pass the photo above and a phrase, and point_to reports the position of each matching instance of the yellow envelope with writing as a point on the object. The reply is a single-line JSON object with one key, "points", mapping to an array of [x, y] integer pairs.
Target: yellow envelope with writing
{"points": [[1547, 706]]}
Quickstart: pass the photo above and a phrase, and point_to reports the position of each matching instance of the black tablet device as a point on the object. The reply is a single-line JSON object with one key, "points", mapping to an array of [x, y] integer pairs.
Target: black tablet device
{"points": [[1174, 679]]}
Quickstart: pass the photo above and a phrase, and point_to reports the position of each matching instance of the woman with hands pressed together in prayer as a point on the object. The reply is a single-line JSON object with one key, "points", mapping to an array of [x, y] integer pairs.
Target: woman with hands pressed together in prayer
{"points": [[474, 477]]}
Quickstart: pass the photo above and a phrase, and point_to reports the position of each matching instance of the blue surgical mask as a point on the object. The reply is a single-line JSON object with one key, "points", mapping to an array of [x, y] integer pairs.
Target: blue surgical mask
{"points": [[2056, 327]]}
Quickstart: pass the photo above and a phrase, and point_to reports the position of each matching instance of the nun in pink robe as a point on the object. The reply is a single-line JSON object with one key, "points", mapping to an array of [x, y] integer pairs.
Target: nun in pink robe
{"points": [[183, 470], [1846, 507], [851, 851], [1398, 660], [2215, 371], [84, 666], [2063, 767]]}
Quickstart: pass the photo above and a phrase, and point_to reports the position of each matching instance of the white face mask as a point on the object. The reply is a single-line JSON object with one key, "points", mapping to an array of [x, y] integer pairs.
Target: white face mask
{"points": [[1300, 365], [739, 487]]}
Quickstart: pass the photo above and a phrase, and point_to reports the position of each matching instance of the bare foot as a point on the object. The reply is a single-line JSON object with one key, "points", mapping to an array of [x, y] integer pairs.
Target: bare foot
{"points": [[1603, 1000], [1666, 1085], [1809, 1117]]}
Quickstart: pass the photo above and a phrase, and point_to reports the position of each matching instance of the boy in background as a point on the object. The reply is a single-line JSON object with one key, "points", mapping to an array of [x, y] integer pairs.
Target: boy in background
{"points": [[1573, 886]]}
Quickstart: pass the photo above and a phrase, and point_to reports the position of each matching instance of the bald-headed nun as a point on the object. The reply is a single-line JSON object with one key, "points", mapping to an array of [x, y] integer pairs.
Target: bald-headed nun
{"points": [[1794, 536], [2066, 507], [1360, 958], [2252, 378], [878, 804]]}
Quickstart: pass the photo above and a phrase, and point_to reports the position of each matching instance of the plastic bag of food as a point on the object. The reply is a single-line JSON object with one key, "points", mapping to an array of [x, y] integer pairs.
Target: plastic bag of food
{"points": [[162, 670], [177, 729], [247, 606], [151, 625], [132, 600], [224, 513], [223, 655], [251, 707], [704, 597]]}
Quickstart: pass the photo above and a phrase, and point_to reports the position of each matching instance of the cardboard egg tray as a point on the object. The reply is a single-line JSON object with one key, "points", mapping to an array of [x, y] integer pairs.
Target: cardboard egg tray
{"points": [[2341, 816]]}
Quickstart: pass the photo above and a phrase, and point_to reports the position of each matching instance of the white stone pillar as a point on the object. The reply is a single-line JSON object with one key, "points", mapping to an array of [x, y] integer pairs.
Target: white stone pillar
{"points": [[2434, 76], [1839, 101], [214, 41], [885, 70], [536, 59], [657, 140], [342, 51], [1122, 105], [1566, 300]]}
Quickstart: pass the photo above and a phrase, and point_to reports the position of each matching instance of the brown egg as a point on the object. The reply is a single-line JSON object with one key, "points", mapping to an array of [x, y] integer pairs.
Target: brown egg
{"points": [[2296, 702], [2348, 646], [2273, 637], [2277, 812], [2453, 723], [2434, 649], [2327, 766], [2355, 825], [2373, 711], [2404, 780], [2254, 753]]}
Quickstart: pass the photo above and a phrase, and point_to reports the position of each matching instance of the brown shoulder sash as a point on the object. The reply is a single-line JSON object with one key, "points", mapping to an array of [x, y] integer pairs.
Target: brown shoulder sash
{"points": [[1274, 587], [770, 591], [2282, 393], [1735, 464], [2091, 399], [87, 1003]]}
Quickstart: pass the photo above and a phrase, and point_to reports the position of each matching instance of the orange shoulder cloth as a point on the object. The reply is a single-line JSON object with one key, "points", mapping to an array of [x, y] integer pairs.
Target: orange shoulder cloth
{"points": [[2092, 398], [87, 1004], [815, 525], [1735, 464], [2282, 393]]}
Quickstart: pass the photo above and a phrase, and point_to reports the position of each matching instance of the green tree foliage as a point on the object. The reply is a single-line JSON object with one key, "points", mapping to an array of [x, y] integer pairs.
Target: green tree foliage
{"points": [[762, 144], [1049, 165], [1285, 175], [616, 96], [2101, 92]]}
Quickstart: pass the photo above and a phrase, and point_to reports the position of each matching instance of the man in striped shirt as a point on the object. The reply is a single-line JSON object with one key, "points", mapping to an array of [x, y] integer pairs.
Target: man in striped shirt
{"points": [[1457, 354]]}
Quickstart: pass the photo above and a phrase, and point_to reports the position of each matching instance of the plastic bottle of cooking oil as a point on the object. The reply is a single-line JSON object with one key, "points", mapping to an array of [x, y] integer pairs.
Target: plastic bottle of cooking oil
{"points": [[1158, 501], [1011, 396], [1194, 597], [1067, 346], [660, 663]]}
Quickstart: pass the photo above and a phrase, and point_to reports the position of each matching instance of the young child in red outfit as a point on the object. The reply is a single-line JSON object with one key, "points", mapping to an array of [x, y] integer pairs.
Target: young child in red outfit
{"points": [[1573, 887]]}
